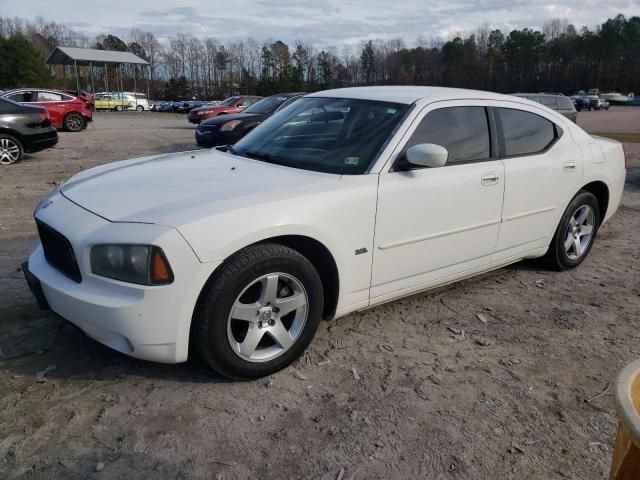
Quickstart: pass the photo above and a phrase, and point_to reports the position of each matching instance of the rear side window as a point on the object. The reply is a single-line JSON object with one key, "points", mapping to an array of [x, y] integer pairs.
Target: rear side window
{"points": [[524, 133], [550, 102], [565, 103], [463, 131], [49, 97]]}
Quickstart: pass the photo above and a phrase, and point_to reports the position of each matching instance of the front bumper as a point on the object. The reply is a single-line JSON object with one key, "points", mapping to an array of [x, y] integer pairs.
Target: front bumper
{"points": [[213, 138], [147, 322]]}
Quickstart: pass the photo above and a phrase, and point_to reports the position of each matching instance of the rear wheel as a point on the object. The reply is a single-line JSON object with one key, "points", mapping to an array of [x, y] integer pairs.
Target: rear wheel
{"points": [[576, 232], [73, 122], [259, 313], [11, 149], [139, 108], [118, 108]]}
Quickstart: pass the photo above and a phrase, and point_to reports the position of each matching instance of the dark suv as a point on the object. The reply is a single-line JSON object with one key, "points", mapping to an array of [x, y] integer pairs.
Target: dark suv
{"points": [[560, 103], [23, 128]]}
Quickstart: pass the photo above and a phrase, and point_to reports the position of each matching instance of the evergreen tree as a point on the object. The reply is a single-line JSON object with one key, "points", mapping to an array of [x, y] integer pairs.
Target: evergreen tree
{"points": [[21, 65]]}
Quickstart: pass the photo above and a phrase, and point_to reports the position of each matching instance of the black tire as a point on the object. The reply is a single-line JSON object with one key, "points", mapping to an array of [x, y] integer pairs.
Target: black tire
{"points": [[209, 329], [8, 146], [118, 108], [74, 122], [140, 108], [557, 256]]}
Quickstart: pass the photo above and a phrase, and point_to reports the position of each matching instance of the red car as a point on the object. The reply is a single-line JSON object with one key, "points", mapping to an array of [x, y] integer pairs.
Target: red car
{"points": [[228, 105], [70, 112]]}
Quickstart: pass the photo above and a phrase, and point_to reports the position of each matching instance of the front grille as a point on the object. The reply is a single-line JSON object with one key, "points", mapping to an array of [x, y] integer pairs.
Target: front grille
{"points": [[58, 252]]}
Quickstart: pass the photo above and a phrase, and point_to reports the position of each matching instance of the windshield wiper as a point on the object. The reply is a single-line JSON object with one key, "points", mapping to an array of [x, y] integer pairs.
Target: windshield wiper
{"points": [[265, 157], [231, 150]]}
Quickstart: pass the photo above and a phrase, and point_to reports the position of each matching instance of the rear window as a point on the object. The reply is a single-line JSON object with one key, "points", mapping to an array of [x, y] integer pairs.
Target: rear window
{"points": [[524, 133]]}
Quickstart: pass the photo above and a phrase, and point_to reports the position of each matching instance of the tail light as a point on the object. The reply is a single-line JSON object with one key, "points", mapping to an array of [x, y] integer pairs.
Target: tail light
{"points": [[45, 119], [626, 159]]}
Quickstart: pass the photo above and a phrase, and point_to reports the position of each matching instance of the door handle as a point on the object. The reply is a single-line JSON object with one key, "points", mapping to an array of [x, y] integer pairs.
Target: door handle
{"points": [[490, 178], [569, 166]]}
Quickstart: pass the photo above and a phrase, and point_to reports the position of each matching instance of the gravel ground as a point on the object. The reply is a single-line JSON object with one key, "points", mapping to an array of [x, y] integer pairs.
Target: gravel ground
{"points": [[438, 394]]}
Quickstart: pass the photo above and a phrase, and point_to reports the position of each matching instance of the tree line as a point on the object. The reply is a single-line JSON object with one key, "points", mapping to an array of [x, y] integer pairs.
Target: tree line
{"points": [[557, 58]]}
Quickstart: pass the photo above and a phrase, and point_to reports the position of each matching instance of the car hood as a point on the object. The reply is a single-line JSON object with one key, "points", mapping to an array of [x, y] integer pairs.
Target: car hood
{"points": [[217, 121], [179, 188]]}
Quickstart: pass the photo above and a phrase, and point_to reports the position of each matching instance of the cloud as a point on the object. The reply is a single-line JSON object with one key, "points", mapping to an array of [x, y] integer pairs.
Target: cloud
{"points": [[321, 22]]}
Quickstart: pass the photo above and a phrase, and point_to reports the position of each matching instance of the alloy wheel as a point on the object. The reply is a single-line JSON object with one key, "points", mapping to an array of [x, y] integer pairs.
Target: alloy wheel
{"points": [[268, 317], [579, 232], [74, 123], [9, 151]]}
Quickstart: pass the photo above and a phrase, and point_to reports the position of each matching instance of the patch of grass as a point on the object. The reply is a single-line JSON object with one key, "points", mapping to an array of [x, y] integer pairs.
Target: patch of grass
{"points": [[630, 137]]}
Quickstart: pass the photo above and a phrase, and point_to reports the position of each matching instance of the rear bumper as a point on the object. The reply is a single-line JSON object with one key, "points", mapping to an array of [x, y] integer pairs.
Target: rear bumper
{"points": [[41, 141]]}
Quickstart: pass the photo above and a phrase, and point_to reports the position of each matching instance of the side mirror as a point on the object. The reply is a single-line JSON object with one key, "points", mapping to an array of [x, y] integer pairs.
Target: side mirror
{"points": [[427, 155]]}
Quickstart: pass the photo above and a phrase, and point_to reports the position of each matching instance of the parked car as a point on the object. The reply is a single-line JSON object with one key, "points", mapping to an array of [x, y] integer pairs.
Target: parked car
{"points": [[601, 104], [68, 112], [107, 101], [137, 101], [24, 128], [581, 101], [166, 107], [557, 102], [344, 200], [228, 129], [228, 105]]}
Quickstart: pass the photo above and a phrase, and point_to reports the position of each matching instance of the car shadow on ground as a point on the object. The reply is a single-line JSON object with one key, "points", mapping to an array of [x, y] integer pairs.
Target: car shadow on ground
{"points": [[31, 340]]}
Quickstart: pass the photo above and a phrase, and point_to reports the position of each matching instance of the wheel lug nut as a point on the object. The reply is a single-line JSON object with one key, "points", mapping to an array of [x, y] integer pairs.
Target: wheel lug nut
{"points": [[272, 323]]}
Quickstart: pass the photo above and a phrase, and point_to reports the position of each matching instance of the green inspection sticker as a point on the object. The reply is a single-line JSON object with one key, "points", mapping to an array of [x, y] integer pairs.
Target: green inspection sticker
{"points": [[352, 160]]}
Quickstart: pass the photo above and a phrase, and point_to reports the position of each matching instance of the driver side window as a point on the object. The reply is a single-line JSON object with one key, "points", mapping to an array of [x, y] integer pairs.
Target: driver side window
{"points": [[463, 131]]}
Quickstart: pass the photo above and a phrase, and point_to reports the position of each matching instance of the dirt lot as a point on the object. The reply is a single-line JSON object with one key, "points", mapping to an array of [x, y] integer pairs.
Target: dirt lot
{"points": [[515, 397]]}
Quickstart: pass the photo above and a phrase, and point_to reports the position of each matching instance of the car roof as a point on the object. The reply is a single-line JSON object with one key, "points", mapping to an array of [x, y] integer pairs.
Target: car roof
{"points": [[288, 94], [26, 89], [409, 94]]}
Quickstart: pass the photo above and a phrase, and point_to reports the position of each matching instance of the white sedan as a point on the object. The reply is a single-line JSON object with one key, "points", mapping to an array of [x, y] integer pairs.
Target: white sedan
{"points": [[346, 199]]}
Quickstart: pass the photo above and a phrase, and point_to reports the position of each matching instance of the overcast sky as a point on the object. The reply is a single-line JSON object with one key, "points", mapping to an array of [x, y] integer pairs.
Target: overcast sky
{"points": [[321, 22]]}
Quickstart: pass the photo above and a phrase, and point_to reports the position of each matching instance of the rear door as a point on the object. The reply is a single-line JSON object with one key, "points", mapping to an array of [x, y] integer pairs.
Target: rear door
{"points": [[543, 168], [54, 103], [433, 224]]}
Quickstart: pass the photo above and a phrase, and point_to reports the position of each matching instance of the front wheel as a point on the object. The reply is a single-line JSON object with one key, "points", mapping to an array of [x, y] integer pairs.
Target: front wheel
{"points": [[118, 108], [576, 232], [259, 313], [139, 108]]}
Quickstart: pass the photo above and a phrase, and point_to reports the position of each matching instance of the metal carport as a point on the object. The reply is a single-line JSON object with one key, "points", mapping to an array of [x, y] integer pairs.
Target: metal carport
{"points": [[91, 57]]}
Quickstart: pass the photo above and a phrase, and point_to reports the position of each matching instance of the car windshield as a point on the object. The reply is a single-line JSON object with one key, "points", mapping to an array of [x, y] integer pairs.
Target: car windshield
{"points": [[334, 135], [229, 101], [266, 105]]}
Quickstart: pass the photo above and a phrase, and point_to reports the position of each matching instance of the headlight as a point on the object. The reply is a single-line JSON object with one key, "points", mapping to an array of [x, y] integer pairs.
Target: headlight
{"points": [[227, 127], [141, 264], [202, 113]]}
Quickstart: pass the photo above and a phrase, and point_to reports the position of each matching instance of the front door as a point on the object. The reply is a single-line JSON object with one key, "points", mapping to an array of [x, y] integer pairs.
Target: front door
{"points": [[435, 223]]}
